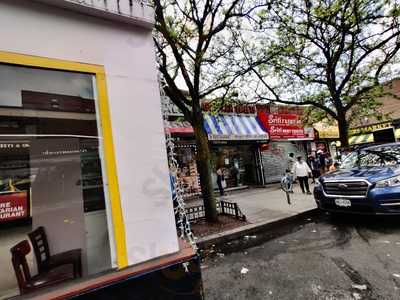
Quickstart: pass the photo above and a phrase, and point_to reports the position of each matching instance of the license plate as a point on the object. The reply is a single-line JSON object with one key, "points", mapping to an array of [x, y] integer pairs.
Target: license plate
{"points": [[343, 202]]}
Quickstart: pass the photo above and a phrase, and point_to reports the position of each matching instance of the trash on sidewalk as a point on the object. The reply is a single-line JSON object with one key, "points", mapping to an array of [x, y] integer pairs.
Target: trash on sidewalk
{"points": [[396, 275], [384, 242], [357, 296], [220, 255], [244, 270], [361, 287]]}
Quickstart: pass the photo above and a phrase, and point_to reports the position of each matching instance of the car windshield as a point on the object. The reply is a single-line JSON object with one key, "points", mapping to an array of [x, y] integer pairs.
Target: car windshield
{"points": [[372, 157]]}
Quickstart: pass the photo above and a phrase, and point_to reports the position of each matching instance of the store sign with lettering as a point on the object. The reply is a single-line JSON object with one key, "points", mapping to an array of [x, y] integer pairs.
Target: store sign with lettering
{"points": [[14, 147], [231, 108], [284, 126], [13, 206], [369, 129]]}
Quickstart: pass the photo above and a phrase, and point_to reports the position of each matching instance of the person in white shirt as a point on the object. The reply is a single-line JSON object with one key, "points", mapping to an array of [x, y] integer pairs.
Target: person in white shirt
{"points": [[302, 171]]}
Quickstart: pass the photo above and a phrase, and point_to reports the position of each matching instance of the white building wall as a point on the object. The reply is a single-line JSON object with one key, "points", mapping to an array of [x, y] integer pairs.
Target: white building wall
{"points": [[127, 53]]}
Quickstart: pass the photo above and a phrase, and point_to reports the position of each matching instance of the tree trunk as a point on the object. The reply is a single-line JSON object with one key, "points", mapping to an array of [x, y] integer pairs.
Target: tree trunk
{"points": [[343, 131], [204, 168]]}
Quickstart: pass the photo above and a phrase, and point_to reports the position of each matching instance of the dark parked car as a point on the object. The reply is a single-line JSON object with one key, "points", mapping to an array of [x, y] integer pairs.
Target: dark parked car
{"points": [[367, 182]]}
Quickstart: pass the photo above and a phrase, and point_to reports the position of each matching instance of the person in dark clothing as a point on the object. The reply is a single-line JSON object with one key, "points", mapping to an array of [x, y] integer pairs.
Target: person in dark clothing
{"points": [[315, 168], [220, 180], [328, 162], [322, 161], [235, 175]]}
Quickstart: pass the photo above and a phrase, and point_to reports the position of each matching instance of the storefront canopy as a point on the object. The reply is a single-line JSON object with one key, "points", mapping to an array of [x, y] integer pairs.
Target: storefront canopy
{"points": [[233, 127], [361, 139]]}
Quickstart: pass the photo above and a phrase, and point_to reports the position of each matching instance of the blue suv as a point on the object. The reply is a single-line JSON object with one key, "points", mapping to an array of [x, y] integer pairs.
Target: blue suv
{"points": [[367, 182]]}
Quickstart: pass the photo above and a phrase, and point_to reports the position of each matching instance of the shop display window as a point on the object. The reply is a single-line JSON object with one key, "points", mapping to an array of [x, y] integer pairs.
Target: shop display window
{"points": [[187, 173], [238, 163], [52, 176]]}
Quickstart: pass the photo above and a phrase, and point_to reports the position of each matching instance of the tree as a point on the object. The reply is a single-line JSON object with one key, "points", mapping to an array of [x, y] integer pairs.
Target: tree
{"points": [[330, 55], [195, 45]]}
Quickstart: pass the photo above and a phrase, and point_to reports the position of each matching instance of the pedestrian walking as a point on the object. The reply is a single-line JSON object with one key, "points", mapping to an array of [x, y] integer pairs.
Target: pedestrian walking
{"points": [[221, 180], [302, 171], [315, 168]]}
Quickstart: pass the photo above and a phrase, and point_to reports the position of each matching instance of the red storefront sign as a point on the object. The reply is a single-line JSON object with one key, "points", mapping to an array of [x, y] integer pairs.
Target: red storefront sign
{"points": [[13, 206], [283, 126]]}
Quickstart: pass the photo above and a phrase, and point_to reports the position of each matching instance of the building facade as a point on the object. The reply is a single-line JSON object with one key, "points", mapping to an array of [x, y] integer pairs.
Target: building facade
{"points": [[387, 118], [74, 159], [252, 142], [287, 135]]}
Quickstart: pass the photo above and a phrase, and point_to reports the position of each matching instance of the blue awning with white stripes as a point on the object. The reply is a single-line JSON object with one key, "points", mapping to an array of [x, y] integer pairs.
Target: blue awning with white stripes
{"points": [[233, 127]]}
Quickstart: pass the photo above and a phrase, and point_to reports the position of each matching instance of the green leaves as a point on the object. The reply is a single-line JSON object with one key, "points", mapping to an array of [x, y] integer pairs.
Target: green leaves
{"points": [[331, 54]]}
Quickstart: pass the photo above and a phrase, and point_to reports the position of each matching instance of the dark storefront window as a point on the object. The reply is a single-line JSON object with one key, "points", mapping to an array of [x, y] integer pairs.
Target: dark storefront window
{"points": [[51, 172], [238, 162]]}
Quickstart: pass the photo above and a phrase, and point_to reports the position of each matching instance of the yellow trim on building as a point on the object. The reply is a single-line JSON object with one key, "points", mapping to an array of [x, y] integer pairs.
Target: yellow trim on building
{"points": [[113, 187], [49, 63], [361, 139], [99, 72], [397, 133]]}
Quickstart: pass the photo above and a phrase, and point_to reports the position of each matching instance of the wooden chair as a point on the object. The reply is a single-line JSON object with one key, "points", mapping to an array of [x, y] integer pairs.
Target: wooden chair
{"points": [[28, 283], [47, 262]]}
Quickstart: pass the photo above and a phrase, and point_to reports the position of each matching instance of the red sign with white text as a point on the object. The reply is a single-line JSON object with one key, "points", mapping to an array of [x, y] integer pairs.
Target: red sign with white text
{"points": [[13, 206], [283, 126]]}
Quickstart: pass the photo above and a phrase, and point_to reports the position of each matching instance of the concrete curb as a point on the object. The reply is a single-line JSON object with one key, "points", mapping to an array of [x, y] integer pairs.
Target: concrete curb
{"points": [[252, 229]]}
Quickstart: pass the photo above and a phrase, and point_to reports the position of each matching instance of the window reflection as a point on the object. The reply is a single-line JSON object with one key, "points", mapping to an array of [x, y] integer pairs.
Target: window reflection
{"points": [[51, 172]]}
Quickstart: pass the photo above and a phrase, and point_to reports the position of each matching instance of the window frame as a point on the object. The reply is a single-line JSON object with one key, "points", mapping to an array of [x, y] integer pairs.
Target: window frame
{"points": [[104, 113]]}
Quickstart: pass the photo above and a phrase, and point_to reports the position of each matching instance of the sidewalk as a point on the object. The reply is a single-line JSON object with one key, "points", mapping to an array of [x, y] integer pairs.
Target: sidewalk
{"points": [[261, 205]]}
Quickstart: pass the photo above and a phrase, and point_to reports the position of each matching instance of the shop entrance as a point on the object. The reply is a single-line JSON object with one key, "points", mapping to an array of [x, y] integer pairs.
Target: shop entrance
{"points": [[239, 164]]}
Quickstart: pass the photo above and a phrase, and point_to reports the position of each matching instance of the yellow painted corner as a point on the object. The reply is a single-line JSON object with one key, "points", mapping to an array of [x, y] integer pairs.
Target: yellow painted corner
{"points": [[119, 226]]}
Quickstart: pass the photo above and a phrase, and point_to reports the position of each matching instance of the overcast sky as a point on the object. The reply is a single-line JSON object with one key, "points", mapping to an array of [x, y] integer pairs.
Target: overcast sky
{"points": [[14, 79]]}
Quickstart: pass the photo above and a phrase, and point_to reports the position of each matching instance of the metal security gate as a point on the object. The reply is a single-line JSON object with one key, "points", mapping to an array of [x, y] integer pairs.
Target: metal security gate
{"points": [[275, 158]]}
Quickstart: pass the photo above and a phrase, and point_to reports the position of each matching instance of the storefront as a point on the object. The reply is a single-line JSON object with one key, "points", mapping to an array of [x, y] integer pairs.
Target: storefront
{"points": [[187, 173], [235, 145], [328, 136], [365, 134], [288, 135], [82, 157], [185, 150]]}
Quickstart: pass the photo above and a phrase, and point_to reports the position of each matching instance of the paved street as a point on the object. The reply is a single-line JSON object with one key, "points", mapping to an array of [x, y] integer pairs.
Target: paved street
{"points": [[341, 258]]}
